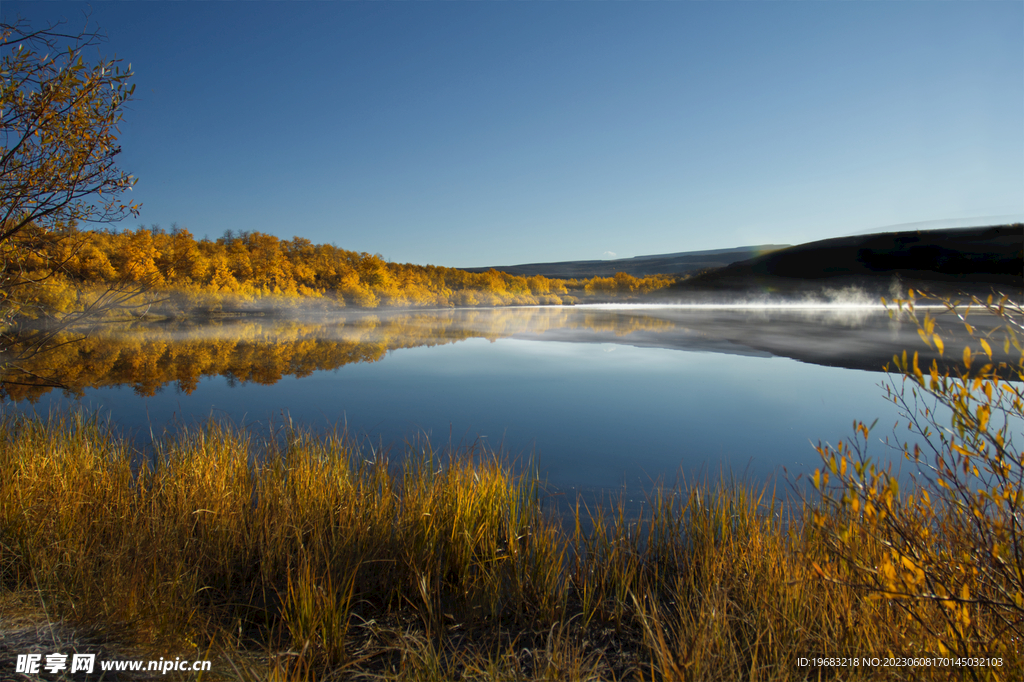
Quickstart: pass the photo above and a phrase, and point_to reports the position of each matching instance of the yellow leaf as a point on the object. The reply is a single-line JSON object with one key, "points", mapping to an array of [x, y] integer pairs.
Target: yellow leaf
{"points": [[984, 412]]}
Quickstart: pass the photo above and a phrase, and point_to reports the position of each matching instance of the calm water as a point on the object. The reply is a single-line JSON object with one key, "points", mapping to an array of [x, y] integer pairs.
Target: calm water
{"points": [[602, 396]]}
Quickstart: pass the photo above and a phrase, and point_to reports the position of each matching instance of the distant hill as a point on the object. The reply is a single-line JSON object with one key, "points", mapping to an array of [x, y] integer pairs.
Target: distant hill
{"points": [[639, 266], [971, 259]]}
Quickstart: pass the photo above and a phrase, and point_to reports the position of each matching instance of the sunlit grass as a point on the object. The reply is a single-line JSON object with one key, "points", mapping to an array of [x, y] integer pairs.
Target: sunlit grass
{"points": [[308, 558]]}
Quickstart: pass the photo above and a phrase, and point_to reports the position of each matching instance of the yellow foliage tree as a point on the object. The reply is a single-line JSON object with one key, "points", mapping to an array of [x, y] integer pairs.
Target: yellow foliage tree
{"points": [[58, 143]]}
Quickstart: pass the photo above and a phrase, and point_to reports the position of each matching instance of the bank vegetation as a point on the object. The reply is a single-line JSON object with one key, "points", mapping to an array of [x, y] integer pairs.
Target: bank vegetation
{"points": [[172, 273]]}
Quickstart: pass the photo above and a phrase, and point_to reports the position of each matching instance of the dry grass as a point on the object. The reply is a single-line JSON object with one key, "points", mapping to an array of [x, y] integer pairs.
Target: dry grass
{"points": [[307, 558]]}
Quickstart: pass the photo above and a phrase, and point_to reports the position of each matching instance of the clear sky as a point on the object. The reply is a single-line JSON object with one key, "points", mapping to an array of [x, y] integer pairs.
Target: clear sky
{"points": [[469, 134]]}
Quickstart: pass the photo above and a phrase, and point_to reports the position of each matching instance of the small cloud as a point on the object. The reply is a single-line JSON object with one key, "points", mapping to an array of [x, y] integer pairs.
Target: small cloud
{"points": [[609, 254]]}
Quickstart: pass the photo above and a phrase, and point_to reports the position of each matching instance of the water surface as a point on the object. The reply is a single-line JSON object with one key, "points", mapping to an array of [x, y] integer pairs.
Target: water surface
{"points": [[601, 396]]}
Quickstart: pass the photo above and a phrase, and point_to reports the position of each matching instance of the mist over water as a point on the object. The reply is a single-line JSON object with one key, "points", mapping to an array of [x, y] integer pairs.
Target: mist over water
{"points": [[600, 395]]}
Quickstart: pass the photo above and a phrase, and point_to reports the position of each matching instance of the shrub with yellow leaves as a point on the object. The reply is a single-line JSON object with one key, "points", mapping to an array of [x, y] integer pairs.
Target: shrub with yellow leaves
{"points": [[947, 551]]}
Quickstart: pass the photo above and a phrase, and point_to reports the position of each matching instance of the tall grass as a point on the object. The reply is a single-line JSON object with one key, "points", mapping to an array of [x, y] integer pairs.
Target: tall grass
{"points": [[309, 558]]}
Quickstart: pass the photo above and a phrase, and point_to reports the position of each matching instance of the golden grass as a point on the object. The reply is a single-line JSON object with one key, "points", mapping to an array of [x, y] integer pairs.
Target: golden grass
{"points": [[308, 558]]}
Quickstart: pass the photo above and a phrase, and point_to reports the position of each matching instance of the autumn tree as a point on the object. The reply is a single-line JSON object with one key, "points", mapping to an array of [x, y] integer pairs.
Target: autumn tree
{"points": [[59, 114]]}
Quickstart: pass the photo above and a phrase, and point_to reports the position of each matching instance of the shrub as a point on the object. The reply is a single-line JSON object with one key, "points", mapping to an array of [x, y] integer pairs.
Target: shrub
{"points": [[948, 551]]}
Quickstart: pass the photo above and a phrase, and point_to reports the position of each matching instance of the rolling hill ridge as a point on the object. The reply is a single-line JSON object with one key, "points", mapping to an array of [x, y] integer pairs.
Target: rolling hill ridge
{"points": [[972, 260], [639, 266]]}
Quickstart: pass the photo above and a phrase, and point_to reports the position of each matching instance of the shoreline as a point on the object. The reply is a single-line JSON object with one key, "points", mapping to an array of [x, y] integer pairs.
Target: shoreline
{"points": [[324, 562]]}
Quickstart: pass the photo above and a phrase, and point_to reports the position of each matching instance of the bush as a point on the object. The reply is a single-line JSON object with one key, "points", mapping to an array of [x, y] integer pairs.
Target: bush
{"points": [[948, 552]]}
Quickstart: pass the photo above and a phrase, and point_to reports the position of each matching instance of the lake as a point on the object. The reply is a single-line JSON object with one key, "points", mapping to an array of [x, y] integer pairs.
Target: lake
{"points": [[601, 396]]}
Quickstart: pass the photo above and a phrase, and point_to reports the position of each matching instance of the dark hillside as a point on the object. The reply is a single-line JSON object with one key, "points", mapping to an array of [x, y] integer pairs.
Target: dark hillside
{"points": [[639, 266], [963, 259]]}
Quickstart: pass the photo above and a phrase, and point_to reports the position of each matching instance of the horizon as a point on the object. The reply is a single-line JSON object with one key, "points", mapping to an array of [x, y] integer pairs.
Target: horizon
{"points": [[476, 135], [921, 226]]}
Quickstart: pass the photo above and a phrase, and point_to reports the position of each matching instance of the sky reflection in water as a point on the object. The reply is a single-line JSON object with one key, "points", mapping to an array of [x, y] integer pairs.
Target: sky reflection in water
{"points": [[602, 397]]}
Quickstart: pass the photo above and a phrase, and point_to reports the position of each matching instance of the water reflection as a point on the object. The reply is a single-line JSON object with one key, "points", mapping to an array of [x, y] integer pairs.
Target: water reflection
{"points": [[604, 395], [147, 356]]}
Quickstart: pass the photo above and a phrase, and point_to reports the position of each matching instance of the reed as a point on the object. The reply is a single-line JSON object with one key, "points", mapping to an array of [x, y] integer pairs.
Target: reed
{"points": [[306, 557]]}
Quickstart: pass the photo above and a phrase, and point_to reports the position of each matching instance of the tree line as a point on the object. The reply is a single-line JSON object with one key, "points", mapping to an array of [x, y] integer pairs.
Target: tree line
{"points": [[238, 269]]}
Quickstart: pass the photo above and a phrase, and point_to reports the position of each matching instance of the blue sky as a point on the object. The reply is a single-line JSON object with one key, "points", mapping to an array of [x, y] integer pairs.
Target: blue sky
{"points": [[467, 134]]}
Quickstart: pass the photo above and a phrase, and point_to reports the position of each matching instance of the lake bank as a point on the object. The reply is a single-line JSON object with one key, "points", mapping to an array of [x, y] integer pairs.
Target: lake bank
{"points": [[322, 563]]}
